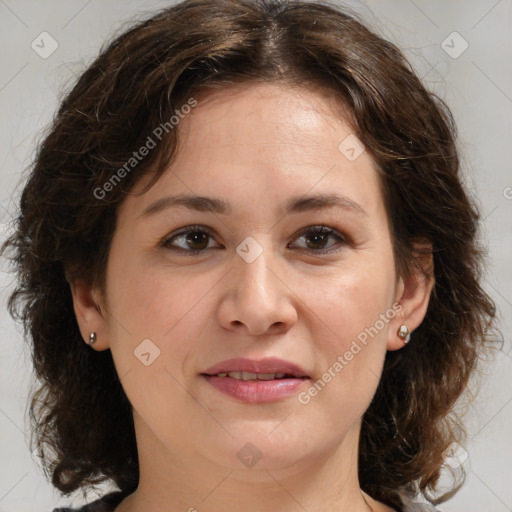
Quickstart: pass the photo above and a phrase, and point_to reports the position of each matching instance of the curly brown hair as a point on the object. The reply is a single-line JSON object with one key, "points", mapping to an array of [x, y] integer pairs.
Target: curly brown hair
{"points": [[137, 83]]}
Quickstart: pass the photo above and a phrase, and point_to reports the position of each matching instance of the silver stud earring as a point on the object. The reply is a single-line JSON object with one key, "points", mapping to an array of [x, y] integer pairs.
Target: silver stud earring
{"points": [[404, 334], [92, 338]]}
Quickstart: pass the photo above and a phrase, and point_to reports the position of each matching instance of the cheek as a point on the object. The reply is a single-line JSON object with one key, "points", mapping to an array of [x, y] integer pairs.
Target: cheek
{"points": [[146, 298], [351, 317], [354, 297], [167, 308], [154, 327]]}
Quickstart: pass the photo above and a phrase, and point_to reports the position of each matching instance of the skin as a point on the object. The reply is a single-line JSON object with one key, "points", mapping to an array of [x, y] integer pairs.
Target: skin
{"points": [[254, 146]]}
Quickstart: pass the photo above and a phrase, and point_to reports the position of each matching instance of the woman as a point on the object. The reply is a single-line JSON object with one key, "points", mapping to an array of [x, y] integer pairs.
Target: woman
{"points": [[249, 269]]}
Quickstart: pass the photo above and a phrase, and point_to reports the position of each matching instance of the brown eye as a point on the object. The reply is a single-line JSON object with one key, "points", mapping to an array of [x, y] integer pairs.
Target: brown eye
{"points": [[317, 240], [193, 240], [197, 240]]}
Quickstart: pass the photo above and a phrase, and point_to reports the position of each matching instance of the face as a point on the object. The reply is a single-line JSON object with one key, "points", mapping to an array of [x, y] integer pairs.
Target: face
{"points": [[290, 257]]}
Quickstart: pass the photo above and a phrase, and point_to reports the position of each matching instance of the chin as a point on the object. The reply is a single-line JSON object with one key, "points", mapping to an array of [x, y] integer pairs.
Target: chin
{"points": [[252, 451]]}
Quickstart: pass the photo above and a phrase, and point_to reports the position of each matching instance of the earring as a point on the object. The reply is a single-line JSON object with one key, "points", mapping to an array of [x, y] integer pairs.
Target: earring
{"points": [[404, 334], [92, 338]]}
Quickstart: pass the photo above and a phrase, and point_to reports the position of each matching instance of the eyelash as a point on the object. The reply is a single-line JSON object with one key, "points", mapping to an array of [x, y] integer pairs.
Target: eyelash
{"points": [[310, 230]]}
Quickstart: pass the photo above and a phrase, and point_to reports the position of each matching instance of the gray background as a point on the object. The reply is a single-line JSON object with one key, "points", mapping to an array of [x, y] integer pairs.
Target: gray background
{"points": [[477, 84]]}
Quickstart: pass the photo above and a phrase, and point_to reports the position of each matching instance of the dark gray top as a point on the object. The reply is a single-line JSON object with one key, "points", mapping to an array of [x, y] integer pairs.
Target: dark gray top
{"points": [[110, 501]]}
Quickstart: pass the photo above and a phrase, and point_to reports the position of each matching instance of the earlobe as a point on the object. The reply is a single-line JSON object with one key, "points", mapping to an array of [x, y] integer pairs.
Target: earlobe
{"points": [[89, 314], [413, 295]]}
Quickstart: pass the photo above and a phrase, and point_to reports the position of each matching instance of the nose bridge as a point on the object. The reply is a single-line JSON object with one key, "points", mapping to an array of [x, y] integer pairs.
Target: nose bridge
{"points": [[256, 299], [252, 273]]}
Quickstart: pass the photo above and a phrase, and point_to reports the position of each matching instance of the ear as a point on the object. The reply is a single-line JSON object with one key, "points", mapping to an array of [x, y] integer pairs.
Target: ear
{"points": [[90, 313], [413, 295]]}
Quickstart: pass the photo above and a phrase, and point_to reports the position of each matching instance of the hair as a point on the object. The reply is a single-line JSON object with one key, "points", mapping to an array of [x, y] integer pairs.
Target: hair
{"points": [[66, 221]]}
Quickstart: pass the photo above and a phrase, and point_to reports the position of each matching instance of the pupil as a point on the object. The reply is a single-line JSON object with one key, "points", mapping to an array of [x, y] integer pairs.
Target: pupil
{"points": [[197, 238], [317, 239]]}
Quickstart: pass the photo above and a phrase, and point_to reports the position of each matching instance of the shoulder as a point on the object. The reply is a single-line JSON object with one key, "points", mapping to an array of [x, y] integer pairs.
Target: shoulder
{"points": [[105, 504]]}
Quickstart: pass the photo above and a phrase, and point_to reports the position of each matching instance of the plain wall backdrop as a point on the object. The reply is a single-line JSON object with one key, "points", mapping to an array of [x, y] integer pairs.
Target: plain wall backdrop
{"points": [[461, 49]]}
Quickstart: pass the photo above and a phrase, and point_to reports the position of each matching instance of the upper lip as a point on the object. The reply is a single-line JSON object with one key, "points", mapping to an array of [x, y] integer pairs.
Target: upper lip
{"points": [[266, 365]]}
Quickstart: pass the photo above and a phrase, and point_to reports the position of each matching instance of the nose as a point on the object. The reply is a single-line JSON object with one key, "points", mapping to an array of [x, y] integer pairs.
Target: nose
{"points": [[257, 299]]}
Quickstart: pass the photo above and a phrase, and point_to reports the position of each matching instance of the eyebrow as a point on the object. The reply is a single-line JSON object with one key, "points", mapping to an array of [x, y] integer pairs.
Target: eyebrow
{"points": [[296, 204]]}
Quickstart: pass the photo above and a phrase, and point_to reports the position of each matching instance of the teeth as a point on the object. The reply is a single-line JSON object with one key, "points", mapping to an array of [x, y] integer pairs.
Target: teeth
{"points": [[267, 376], [252, 376]]}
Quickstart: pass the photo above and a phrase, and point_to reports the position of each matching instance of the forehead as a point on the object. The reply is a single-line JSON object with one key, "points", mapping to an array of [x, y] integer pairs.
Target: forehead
{"points": [[266, 137], [270, 118]]}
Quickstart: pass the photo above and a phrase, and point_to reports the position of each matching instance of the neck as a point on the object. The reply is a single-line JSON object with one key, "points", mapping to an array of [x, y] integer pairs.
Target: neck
{"points": [[186, 481]]}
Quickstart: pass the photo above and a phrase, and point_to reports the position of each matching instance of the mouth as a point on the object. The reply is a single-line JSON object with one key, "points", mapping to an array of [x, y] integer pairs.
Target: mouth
{"points": [[269, 368], [256, 381], [255, 376]]}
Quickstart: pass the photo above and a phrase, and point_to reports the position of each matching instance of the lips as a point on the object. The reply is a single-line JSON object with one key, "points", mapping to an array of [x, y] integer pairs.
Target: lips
{"points": [[252, 369], [256, 381]]}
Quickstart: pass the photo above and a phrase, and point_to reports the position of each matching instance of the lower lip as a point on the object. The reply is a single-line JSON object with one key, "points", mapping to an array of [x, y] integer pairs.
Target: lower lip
{"points": [[255, 391]]}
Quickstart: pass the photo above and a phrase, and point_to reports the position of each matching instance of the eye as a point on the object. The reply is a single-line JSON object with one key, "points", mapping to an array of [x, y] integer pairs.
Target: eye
{"points": [[316, 240], [192, 240]]}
